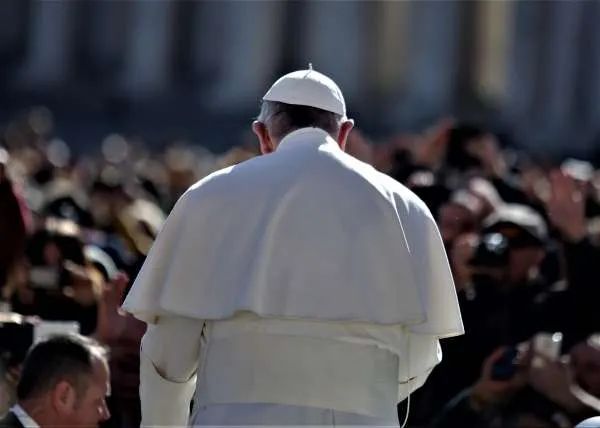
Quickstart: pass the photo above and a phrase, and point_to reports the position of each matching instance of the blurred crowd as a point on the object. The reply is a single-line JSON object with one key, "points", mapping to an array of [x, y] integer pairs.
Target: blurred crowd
{"points": [[522, 237]]}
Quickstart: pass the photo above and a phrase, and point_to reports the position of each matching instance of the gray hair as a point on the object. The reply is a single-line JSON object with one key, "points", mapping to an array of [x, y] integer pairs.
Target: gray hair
{"points": [[281, 119]]}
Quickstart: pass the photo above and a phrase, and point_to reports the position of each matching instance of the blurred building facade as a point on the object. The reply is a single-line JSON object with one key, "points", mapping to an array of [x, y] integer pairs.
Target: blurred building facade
{"points": [[534, 65]]}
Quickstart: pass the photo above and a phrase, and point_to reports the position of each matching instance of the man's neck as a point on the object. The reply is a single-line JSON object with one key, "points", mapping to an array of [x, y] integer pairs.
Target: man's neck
{"points": [[36, 412]]}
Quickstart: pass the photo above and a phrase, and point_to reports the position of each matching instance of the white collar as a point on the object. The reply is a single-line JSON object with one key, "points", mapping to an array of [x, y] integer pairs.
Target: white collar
{"points": [[23, 417], [314, 136]]}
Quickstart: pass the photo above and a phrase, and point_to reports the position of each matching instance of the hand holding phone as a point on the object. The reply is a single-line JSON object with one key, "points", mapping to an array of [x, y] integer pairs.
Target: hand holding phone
{"points": [[501, 376], [506, 366]]}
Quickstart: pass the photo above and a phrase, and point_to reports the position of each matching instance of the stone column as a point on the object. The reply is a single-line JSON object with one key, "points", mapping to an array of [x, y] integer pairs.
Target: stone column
{"points": [[561, 63], [48, 57], [10, 24], [589, 66], [391, 61], [434, 51], [109, 30], [492, 49], [208, 38], [525, 47], [147, 69], [250, 42], [336, 43]]}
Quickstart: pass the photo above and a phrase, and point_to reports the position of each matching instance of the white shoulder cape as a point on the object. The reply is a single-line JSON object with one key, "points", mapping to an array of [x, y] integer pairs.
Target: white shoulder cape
{"points": [[306, 232]]}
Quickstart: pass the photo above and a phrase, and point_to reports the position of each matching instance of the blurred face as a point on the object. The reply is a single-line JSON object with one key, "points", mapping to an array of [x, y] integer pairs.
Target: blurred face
{"points": [[454, 220], [84, 408], [100, 208]]}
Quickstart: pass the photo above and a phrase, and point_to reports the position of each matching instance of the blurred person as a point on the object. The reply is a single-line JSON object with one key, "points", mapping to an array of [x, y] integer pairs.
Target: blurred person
{"points": [[180, 162], [566, 208], [585, 358], [16, 336], [459, 215], [407, 155], [487, 194], [55, 281], [515, 391], [583, 174], [571, 382], [122, 335], [504, 299], [129, 221], [15, 222], [64, 198], [300, 287], [527, 235], [64, 382], [505, 279], [426, 186], [458, 152], [508, 299], [234, 156], [358, 146]]}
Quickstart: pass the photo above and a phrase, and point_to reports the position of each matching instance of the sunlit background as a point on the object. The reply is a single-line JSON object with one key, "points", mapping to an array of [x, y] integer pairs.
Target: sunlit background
{"points": [[197, 69]]}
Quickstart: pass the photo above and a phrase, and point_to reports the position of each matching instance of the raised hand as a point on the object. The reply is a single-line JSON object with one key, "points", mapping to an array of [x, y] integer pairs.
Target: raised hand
{"points": [[111, 322], [566, 206], [490, 392], [429, 149], [487, 150], [462, 251]]}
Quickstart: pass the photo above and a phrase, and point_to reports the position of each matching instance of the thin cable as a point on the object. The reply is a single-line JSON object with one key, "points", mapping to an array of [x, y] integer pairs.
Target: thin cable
{"points": [[407, 411], [408, 377]]}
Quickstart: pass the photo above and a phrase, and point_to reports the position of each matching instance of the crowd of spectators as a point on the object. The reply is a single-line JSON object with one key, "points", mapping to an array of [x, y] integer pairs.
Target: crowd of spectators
{"points": [[522, 237]]}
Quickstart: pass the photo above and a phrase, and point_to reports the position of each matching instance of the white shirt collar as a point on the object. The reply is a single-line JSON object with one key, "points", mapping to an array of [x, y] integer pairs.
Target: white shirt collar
{"points": [[23, 417], [314, 136]]}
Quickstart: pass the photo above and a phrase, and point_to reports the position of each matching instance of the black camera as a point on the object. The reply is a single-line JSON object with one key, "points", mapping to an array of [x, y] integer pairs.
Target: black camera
{"points": [[16, 337], [491, 252]]}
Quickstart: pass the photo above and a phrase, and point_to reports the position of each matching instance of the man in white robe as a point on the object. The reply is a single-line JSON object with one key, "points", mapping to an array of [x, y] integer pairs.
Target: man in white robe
{"points": [[301, 287]]}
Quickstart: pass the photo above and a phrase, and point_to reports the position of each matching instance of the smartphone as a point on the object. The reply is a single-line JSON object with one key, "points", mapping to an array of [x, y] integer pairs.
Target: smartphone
{"points": [[506, 366], [548, 346], [44, 278]]}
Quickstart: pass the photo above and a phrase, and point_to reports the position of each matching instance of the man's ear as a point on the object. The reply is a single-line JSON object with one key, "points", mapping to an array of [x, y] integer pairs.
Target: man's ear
{"points": [[64, 397], [345, 129], [266, 143]]}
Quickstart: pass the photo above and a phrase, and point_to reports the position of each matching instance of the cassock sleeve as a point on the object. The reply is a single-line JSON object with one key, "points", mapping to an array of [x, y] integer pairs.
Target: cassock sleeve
{"points": [[167, 378]]}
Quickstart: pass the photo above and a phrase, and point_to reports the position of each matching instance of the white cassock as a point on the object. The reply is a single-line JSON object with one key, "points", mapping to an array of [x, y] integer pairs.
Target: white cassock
{"points": [[298, 288]]}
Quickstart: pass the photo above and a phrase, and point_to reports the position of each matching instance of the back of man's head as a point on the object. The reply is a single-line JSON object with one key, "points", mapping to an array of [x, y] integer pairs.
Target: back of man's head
{"points": [[302, 99], [281, 118], [60, 358]]}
